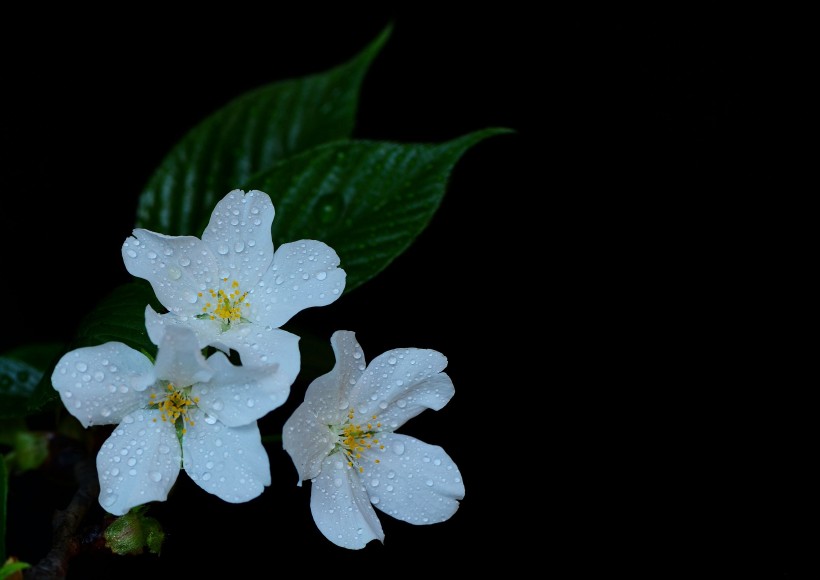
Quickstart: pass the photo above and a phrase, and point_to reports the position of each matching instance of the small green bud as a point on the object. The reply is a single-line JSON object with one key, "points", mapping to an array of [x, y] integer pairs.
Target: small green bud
{"points": [[133, 532]]}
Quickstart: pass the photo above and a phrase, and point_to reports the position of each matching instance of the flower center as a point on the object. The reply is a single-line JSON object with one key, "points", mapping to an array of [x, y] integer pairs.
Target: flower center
{"points": [[225, 308], [353, 438], [174, 405]]}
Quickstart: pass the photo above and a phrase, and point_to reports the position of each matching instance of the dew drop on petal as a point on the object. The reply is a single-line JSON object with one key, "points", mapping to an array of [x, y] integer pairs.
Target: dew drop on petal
{"points": [[239, 246], [164, 449], [132, 472], [132, 462], [391, 360], [132, 254], [321, 275], [174, 273], [115, 471], [374, 499], [398, 448], [155, 476], [108, 499], [81, 366], [222, 249]]}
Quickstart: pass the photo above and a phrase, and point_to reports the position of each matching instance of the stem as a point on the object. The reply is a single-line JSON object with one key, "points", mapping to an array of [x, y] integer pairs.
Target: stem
{"points": [[66, 524]]}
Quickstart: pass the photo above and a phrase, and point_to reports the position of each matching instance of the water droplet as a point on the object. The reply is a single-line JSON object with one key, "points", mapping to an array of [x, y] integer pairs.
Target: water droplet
{"points": [[210, 419], [391, 360], [206, 476], [132, 462], [152, 255], [131, 253], [375, 483], [437, 462], [374, 499], [164, 449], [109, 499], [401, 403], [218, 442], [155, 476], [357, 354], [210, 465], [398, 448], [68, 394], [222, 249], [337, 482], [132, 472], [429, 483], [105, 412], [391, 474], [329, 210], [321, 275], [190, 296], [115, 471], [183, 261], [81, 366], [218, 405], [99, 376], [239, 246], [250, 403], [174, 273], [279, 280]]}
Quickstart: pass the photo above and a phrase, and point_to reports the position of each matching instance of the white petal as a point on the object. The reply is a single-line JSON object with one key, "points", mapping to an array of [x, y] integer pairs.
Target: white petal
{"points": [[239, 234], [305, 435], [265, 347], [206, 332], [99, 385], [308, 440], [176, 266], [413, 481], [401, 378], [304, 274], [341, 507], [350, 363], [238, 395], [229, 462], [179, 358], [138, 463]]}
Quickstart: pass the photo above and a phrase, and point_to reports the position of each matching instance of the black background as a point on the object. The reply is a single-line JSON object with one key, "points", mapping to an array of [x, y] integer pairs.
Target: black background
{"points": [[580, 276]]}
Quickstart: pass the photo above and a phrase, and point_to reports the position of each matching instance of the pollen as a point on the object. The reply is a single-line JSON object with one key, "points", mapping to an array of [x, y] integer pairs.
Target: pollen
{"points": [[226, 306], [174, 405], [355, 438]]}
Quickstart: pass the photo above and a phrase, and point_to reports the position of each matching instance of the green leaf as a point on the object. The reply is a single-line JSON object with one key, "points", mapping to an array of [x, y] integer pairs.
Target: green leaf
{"points": [[249, 135], [120, 317], [18, 381], [9, 569], [40, 356], [368, 200]]}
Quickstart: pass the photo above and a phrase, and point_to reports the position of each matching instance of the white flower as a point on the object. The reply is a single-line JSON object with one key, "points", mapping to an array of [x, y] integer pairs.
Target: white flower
{"points": [[181, 411], [342, 438], [230, 287]]}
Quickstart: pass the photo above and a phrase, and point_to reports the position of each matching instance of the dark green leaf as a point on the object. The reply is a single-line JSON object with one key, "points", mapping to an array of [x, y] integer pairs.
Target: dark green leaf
{"points": [[18, 381], [40, 356], [120, 317], [249, 135], [367, 200]]}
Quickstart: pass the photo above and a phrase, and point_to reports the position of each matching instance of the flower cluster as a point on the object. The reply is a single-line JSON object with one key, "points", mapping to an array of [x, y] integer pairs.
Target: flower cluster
{"points": [[223, 362]]}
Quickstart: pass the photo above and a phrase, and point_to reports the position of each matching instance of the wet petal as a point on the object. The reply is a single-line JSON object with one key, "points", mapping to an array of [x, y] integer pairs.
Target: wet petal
{"points": [[99, 385], [239, 234], [178, 267], [304, 274], [138, 463], [308, 440], [401, 378], [332, 388], [229, 462], [265, 347], [238, 395], [179, 358], [206, 332], [341, 507], [413, 481]]}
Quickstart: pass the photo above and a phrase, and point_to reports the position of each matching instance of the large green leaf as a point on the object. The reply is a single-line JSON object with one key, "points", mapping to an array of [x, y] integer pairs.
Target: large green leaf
{"points": [[249, 135], [18, 381], [120, 317], [368, 200]]}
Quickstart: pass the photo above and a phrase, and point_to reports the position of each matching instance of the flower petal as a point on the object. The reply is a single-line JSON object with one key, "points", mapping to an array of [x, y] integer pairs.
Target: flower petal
{"points": [[397, 385], [341, 507], [175, 266], [304, 274], [229, 462], [138, 463], [307, 439], [179, 358], [305, 435], [413, 481], [240, 235], [238, 395], [206, 332], [265, 347], [99, 385]]}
